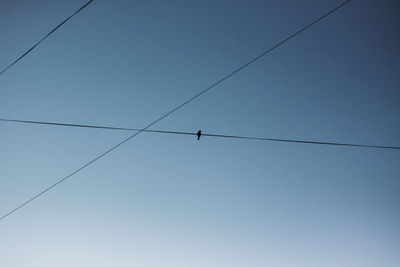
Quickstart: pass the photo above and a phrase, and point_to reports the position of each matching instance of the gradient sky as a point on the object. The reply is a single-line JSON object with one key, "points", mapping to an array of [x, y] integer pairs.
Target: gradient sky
{"points": [[167, 200]]}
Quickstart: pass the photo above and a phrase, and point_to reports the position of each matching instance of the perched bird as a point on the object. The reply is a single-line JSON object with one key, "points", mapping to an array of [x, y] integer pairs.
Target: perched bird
{"points": [[198, 135]]}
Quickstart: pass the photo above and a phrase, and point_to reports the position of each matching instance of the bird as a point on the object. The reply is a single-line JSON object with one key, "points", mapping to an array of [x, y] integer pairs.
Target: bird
{"points": [[198, 135]]}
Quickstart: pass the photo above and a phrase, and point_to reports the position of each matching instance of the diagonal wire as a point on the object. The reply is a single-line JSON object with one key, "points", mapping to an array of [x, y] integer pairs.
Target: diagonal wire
{"points": [[203, 134], [45, 37], [173, 110]]}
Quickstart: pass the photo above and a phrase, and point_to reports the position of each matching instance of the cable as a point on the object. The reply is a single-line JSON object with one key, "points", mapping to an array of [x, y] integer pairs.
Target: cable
{"points": [[171, 111], [202, 134], [94, 126], [302, 141], [45, 37]]}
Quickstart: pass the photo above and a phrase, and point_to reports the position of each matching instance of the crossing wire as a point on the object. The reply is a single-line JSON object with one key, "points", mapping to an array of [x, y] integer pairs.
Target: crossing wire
{"points": [[173, 110], [203, 134]]}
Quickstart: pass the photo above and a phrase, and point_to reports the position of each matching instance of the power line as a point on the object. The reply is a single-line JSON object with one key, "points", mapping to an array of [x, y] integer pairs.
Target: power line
{"points": [[95, 126], [173, 110], [302, 141], [202, 134], [45, 37]]}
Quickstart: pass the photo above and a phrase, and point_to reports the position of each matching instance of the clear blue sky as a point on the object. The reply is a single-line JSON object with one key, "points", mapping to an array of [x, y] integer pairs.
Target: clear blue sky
{"points": [[165, 200]]}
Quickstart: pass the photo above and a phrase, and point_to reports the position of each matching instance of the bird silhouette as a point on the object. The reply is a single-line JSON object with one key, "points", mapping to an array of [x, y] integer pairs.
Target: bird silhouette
{"points": [[198, 135]]}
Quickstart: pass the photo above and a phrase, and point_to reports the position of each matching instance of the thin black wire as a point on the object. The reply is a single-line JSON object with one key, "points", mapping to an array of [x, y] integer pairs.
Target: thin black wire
{"points": [[45, 37], [301, 141], [173, 110], [95, 126], [203, 134]]}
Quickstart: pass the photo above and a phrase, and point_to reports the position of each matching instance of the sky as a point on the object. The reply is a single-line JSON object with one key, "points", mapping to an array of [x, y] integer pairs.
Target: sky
{"points": [[170, 200]]}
